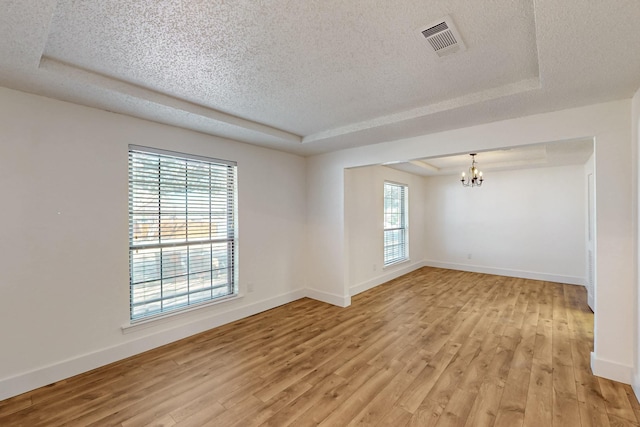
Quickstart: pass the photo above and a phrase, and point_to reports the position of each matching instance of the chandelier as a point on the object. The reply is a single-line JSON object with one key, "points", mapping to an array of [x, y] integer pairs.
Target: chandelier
{"points": [[475, 176]]}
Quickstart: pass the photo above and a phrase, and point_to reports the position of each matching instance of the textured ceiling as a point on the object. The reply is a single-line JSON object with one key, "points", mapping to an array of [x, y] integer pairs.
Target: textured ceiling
{"points": [[315, 76]]}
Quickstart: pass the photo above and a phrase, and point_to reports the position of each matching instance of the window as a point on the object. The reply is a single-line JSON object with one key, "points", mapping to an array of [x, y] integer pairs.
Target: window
{"points": [[395, 223], [182, 231]]}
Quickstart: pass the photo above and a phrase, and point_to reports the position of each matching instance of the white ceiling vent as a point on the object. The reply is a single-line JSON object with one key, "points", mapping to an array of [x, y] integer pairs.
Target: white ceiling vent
{"points": [[443, 37]]}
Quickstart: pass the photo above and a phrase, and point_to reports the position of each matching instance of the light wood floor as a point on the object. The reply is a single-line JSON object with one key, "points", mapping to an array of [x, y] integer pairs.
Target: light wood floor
{"points": [[434, 347]]}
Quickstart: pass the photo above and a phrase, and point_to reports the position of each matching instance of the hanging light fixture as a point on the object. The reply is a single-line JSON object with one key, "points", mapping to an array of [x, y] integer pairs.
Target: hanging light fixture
{"points": [[475, 176]]}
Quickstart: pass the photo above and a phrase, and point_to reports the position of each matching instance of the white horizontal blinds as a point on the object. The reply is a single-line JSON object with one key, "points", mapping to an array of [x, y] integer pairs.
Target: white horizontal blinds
{"points": [[395, 223], [181, 230]]}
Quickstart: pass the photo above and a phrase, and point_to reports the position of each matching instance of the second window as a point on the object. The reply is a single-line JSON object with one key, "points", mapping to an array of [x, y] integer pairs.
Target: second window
{"points": [[395, 223]]}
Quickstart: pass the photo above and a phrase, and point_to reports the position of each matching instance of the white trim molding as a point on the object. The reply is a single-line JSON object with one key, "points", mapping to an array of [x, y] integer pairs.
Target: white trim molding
{"points": [[329, 298], [558, 278], [612, 370], [635, 385], [372, 283]]}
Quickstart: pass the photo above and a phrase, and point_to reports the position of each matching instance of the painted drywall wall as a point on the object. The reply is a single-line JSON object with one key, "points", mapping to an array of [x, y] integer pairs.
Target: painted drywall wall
{"points": [[590, 230], [525, 223], [364, 224], [64, 239], [610, 126], [635, 135], [326, 258]]}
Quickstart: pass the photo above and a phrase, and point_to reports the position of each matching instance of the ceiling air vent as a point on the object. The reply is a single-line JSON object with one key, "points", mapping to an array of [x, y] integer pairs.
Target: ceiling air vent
{"points": [[443, 37]]}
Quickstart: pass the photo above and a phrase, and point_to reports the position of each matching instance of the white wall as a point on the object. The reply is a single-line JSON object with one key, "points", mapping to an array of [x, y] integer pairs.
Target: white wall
{"points": [[64, 240], [610, 126], [327, 273], [63, 255], [635, 132], [590, 228], [364, 203], [525, 223]]}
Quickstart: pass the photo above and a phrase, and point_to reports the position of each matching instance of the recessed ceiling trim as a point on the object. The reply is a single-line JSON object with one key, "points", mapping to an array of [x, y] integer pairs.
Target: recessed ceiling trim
{"points": [[508, 165], [446, 105], [550, 154], [139, 92], [424, 165]]}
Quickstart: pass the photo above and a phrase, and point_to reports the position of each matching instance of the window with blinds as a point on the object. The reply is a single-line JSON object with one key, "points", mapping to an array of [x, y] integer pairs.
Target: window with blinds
{"points": [[395, 223], [182, 231]]}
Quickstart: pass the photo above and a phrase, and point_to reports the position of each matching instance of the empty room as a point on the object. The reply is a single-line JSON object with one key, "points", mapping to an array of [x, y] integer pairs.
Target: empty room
{"points": [[250, 213]]}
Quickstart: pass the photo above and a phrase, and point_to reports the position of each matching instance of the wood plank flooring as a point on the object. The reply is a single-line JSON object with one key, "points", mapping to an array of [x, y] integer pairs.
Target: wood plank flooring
{"points": [[432, 348]]}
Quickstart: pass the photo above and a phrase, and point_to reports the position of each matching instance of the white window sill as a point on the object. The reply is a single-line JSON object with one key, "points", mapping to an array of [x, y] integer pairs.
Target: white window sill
{"points": [[166, 317], [393, 264]]}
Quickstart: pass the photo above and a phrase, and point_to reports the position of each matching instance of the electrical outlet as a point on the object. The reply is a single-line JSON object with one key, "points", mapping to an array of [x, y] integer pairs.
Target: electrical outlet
{"points": [[249, 287], [375, 267], [468, 256]]}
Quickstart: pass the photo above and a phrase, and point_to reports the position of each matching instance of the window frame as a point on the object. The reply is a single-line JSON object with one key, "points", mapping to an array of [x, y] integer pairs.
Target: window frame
{"points": [[220, 242], [403, 228]]}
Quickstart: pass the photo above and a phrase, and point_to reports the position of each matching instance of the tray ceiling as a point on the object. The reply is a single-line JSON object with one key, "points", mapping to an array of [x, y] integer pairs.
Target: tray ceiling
{"points": [[315, 76], [552, 154]]}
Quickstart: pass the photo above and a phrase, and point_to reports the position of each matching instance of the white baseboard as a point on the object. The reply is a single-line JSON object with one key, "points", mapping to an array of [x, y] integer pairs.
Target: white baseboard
{"points": [[612, 370], [571, 280], [334, 299], [372, 283], [22, 383], [635, 385]]}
